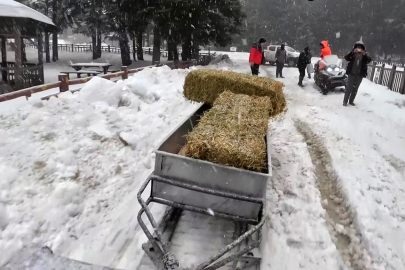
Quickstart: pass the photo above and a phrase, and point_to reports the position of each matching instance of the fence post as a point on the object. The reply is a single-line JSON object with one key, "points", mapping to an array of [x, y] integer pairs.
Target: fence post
{"points": [[64, 86], [109, 48], [373, 71], [380, 80], [125, 75], [392, 76], [73, 47], [402, 85]]}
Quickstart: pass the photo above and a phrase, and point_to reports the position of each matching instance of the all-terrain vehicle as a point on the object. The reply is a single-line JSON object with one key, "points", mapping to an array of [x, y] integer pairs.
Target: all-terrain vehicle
{"points": [[329, 74]]}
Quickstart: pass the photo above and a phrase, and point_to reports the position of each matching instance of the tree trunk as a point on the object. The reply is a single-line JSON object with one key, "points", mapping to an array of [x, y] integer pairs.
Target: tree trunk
{"points": [[94, 45], [134, 48], [99, 51], [40, 55], [55, 32], [47, 53], [175, 53], [196, 51], [55, 46], [139, 50], [125, 52], [57, 51], [170, 50], [156, 44], [186, 51]]}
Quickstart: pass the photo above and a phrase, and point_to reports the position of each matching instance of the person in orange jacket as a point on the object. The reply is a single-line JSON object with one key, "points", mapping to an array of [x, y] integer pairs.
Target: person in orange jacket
{"points": [[325, 50], [256, 56]]}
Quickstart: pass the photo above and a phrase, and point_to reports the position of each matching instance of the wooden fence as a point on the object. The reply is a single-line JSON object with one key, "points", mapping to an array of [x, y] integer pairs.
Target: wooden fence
{"points": [[390, 62], [392, 77], [64, 83], [89, 48]]}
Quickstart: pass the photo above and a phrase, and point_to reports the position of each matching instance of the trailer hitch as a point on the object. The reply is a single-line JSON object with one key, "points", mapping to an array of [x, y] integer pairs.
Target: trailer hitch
{"points": [[170, 262]]}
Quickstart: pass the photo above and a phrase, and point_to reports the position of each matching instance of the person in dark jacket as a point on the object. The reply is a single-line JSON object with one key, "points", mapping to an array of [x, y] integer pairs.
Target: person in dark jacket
{"points": [[356, 70], [309, 66], [281, 58], [302, 64], [256, 56]]}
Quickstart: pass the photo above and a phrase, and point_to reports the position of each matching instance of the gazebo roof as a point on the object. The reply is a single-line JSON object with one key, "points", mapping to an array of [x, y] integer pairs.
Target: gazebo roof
{"points": [[12, 9]]}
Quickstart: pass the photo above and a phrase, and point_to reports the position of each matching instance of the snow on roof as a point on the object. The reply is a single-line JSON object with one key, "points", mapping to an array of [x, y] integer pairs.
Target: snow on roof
{"points": [[10, 8]]}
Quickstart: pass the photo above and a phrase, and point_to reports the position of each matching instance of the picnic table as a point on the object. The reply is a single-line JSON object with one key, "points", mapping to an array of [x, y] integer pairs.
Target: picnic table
{"points": [[80, 72], [79, 66]]}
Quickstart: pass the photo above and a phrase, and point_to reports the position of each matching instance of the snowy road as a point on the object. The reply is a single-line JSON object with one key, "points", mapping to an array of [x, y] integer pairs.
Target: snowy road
{"points": [[361, 151], [336, 199]]}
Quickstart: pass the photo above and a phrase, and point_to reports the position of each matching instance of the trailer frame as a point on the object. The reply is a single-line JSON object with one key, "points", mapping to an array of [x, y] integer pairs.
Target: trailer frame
{"points": [[174, 185]]}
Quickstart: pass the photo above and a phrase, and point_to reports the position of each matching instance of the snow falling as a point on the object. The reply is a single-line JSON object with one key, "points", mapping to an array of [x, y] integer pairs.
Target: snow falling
{"points": [[71, 165]]}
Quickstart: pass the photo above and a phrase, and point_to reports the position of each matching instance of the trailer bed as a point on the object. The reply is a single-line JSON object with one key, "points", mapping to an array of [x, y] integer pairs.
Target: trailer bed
{"points": [[215, 212]]}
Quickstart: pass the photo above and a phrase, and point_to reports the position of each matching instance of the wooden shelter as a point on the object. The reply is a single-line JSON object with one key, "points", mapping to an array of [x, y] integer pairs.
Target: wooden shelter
{"points": [[17, 22]]}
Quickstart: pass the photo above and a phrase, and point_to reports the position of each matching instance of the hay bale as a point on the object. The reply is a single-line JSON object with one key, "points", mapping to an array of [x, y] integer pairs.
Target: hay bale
{"points": [[206, 85], [233, 132]]}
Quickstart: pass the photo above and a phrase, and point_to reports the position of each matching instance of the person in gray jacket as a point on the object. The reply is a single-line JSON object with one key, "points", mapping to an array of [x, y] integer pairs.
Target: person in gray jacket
{"points": [[356, 70], [281, 58]]}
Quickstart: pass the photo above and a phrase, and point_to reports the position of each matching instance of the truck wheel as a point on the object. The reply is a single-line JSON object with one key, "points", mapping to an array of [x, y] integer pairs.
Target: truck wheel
{"points": [[291, 62]]}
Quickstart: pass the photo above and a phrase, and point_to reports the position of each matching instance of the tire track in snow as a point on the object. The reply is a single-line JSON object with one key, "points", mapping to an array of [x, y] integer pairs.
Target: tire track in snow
{"points": [[341, 219]]}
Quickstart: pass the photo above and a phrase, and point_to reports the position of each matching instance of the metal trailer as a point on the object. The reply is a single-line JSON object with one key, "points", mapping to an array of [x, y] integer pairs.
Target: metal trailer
{"points": [[233, 195]]}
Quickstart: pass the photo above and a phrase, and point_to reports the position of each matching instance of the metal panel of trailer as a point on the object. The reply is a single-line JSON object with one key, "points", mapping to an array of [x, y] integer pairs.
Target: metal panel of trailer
{"points": [[206, 175]]}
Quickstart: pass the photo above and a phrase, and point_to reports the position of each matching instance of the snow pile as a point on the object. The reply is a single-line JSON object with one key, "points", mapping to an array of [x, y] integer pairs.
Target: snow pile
{"points": [[70, 161]]}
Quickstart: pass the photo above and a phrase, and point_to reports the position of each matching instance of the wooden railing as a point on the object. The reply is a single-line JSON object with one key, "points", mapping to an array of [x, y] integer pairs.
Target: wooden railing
{"points": [[392, 77], [64, 83], [30, 75]]}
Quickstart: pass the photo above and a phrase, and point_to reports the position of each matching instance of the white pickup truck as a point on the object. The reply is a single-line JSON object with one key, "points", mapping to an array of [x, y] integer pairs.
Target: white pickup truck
{"points": [[292, 55]]}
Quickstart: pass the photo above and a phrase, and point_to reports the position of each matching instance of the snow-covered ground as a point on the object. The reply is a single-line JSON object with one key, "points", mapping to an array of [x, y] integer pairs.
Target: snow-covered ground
{"points": [[71, 168], [364, 157]]}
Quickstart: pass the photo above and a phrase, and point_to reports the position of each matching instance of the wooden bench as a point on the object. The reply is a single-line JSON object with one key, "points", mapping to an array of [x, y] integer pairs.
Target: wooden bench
{"points": [[101, 71], [80, 72]]}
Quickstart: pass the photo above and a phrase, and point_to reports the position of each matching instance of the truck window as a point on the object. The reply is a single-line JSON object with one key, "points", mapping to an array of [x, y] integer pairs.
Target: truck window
{"points": [[272, 48]]}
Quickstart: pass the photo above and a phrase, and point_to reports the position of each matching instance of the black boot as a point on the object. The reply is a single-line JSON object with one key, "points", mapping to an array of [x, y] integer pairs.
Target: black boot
{"points": [[300, 81]]}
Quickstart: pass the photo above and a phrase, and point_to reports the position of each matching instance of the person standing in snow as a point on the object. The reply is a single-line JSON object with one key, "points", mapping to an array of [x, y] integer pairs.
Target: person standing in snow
{"points": [[310, 68], [302, 64], [281, 58], [325, 49], [256, 56], [356, 70]]}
